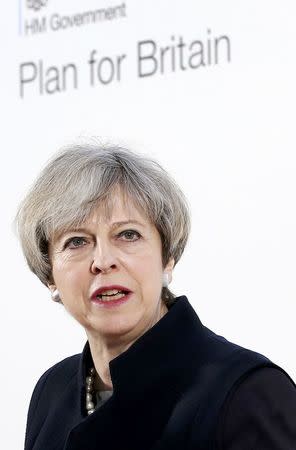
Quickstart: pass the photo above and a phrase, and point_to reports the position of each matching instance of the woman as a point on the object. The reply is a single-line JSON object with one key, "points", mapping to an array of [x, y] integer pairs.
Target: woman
{"points": [[103, 228]]}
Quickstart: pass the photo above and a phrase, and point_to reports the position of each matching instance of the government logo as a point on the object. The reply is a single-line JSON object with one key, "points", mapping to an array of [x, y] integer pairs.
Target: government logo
{"points": [[36, 5]]}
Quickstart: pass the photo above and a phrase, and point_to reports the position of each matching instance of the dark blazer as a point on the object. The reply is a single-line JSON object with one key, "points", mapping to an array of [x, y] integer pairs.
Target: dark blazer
{"points": [[179, 386]]}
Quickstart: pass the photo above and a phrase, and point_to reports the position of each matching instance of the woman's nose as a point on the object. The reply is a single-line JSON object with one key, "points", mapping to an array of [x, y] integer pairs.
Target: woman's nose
{"points": [[104, 259]]}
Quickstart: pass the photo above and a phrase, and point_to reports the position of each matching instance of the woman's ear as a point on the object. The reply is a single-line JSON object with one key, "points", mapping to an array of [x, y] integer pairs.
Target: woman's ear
{"points": [[52, 287], [55, 295], [167, 272], [170, 265]]}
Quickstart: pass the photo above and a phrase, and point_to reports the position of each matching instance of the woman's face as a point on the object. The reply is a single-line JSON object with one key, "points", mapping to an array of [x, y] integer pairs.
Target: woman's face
{"points": [[109, 273]]}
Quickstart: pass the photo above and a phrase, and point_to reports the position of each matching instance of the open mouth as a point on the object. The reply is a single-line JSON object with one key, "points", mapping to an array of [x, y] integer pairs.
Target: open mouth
{"points": [[108, 296]]}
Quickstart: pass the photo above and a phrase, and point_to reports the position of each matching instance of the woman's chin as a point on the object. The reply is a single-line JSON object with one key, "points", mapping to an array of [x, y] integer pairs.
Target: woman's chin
{"points": [[114, 326]]}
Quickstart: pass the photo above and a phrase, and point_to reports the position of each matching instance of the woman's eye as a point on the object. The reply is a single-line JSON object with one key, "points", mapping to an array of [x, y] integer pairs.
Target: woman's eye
{"points": [[75, 242], [130, 235]]}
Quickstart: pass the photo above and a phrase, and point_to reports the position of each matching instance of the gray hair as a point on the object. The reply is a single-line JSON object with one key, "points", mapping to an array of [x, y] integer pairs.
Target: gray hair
{"points": [[80, 177]]}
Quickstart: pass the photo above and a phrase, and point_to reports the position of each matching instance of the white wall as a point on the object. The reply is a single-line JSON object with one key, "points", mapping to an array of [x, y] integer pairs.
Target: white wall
{"points": [[225, 130]]}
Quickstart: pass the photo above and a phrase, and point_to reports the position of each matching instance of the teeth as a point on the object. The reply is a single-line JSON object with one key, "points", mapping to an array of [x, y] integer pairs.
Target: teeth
{"points": [[108, 298], [110, 292]]}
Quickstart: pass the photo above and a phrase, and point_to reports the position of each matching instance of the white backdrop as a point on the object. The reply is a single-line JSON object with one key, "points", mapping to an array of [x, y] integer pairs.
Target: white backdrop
{"points": [[217, 111]]}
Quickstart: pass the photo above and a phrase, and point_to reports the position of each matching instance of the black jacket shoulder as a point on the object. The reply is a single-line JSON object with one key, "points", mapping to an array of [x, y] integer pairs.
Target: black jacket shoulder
{"points": [[259, 413], [49, 387]]}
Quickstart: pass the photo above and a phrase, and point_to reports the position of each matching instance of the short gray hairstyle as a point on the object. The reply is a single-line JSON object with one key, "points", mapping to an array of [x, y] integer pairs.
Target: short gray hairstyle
{"points": [[81, 177]]}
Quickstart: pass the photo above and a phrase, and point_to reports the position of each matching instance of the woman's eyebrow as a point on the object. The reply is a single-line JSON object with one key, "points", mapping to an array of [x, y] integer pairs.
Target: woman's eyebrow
{"points": [[126, 222], [87, 230]]}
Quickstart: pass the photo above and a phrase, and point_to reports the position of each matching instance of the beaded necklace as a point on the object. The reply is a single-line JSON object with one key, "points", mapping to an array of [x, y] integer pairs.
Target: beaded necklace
{"points": [[90, 391]]}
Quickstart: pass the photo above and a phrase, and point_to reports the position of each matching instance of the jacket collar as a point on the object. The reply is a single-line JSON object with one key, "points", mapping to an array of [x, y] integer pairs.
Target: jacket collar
{"points": [[159, 357]]}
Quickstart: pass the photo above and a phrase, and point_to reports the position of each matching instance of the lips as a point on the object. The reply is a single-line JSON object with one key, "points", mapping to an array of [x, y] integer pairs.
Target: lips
{"points": [[108, 293]]}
